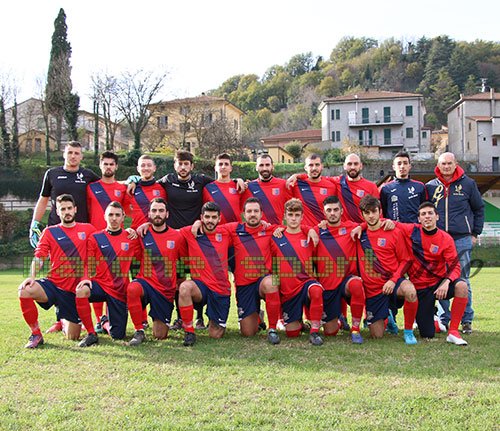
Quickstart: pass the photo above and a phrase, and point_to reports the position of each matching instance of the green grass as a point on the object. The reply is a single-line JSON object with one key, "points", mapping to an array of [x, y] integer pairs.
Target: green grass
{"points": [[241, 384]]}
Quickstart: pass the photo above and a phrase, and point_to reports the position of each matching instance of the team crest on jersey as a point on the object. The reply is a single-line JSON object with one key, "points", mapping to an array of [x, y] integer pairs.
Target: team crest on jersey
{"points": [[434, 249], [323, 191], [360, 193], [303, 243], [170, 245], [218, 237], [381, 242], [118, 193], [275, 191], [82, 235], [262, 233], [342, 231], [125, 246], [232, 191], [156, 193]]}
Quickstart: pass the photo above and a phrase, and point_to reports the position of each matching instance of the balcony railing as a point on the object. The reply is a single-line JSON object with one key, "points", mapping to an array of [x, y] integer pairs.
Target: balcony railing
{"points": [[382, 142], [374, 120]]}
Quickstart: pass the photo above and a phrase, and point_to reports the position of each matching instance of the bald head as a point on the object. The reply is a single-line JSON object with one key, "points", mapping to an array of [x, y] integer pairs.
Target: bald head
{"points": [[353, 166], [447, 165]]}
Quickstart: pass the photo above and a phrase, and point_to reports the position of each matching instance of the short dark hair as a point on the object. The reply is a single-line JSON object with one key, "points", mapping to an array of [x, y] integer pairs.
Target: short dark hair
{"points": [[109, 155], [66, 198], [427, 204], [183, 155], [252, 200], [332, 199], [294, 205], [115, 204], [224, 156], [369, 203], [74, 144], [402, 153], [313, 156], [210, 206], [265, 156], [158, 201]]}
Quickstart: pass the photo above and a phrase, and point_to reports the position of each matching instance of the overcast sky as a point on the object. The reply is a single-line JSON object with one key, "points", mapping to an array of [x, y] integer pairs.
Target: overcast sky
{"points": [[202, 43]]}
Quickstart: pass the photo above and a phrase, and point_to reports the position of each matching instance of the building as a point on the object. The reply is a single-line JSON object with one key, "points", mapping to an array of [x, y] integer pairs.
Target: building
{"points": [[304, 137], [183, 122], [474, 130], [383, 122]]}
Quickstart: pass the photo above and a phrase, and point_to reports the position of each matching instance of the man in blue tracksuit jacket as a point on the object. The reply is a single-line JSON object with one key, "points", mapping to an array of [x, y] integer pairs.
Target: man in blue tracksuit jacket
{"points": [[401, 197], [461, 214]]}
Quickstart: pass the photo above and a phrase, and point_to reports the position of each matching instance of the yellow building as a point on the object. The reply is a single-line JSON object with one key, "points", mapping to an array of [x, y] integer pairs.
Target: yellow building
{"points": [[183, 123]]}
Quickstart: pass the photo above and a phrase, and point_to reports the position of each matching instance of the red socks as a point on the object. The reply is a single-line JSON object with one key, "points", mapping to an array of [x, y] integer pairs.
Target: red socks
{"points": [[273, 308], [134, 304], [83, 308], [98, 307], [457, 311], [357, 302], [30, 314], [187, 317], [316, 307], [410, 312]]}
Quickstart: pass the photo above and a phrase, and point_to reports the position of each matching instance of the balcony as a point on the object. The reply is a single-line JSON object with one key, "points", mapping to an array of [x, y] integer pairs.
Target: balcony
{"points": [[382, 142], [357, 120]]}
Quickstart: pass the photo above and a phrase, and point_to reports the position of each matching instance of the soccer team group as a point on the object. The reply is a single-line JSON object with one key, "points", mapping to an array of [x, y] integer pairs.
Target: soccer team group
{"points": [[308, 246]]}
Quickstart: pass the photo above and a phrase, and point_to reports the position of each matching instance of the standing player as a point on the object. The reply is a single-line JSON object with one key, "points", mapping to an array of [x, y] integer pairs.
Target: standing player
{"points": [[209, 284], [156, 281], [435, 272], [272, 192], [383, 259], [401, 197], [223, 191], [313, 189], [65, 244], [137, 204], [292, 271], [110, 254], [336, 270], [71, 179]]}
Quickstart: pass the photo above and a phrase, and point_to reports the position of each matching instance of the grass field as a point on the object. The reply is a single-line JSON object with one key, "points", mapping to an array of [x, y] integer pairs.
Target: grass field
{"points": [[245, 384]]}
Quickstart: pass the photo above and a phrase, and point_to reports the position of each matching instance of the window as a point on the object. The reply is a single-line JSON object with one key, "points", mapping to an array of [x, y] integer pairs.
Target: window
{"points": [[28, 147], [366, 137], [387, 136], [337, 136], [235, 123], [333, 114], [38, 145], [409, 132], [409, 111], [494, 164], [424, 135], [337, 114], [163, 122], [184, 110], [282, 159], [333, 136], [494, 142], [387, 114], [470, 126], [365, 115]]}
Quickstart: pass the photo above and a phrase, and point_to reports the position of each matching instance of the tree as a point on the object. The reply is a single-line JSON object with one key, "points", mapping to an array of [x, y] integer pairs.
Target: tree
{"points": [[58, 88], [71, 115], [443, 94], [470, 87], [295, 149], [95, 111], [136, 91], [4, 134], [300, 64], [218, 137], [41, 87], [15, 136]]}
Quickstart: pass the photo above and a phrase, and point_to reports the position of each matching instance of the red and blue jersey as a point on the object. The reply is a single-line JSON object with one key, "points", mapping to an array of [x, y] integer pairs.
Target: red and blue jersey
{"points": [[252, 251], [292, 263], [99, 196], [272, 194], [434, 255], [227, 197], [67, 249], [109, 259], [382, 256], [137, 206], [335, 254], [208, 258], [350, 194], [312, 194]]}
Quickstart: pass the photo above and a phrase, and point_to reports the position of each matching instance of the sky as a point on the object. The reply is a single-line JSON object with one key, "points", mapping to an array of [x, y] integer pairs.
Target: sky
{"points": [[202, 43]]}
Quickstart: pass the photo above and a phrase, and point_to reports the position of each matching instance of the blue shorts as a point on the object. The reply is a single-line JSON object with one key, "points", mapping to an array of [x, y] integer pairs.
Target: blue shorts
{"points": [[62, 299], [248, 299], [293, 308], [117, 311], [377, 307], [160, 308], [331, 300], [217, 304]]}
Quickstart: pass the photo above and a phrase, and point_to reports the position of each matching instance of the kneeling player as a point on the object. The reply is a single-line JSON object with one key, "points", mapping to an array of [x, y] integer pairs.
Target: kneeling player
{"points": [[209, 284], [292, 269], [65, 244], [383, 259], [110, 254], [157, 279], [435, 272], [336, 270]]}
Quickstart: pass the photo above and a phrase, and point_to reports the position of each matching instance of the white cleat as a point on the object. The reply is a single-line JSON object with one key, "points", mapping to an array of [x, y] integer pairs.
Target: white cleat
{"points": [[456, 339]]}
